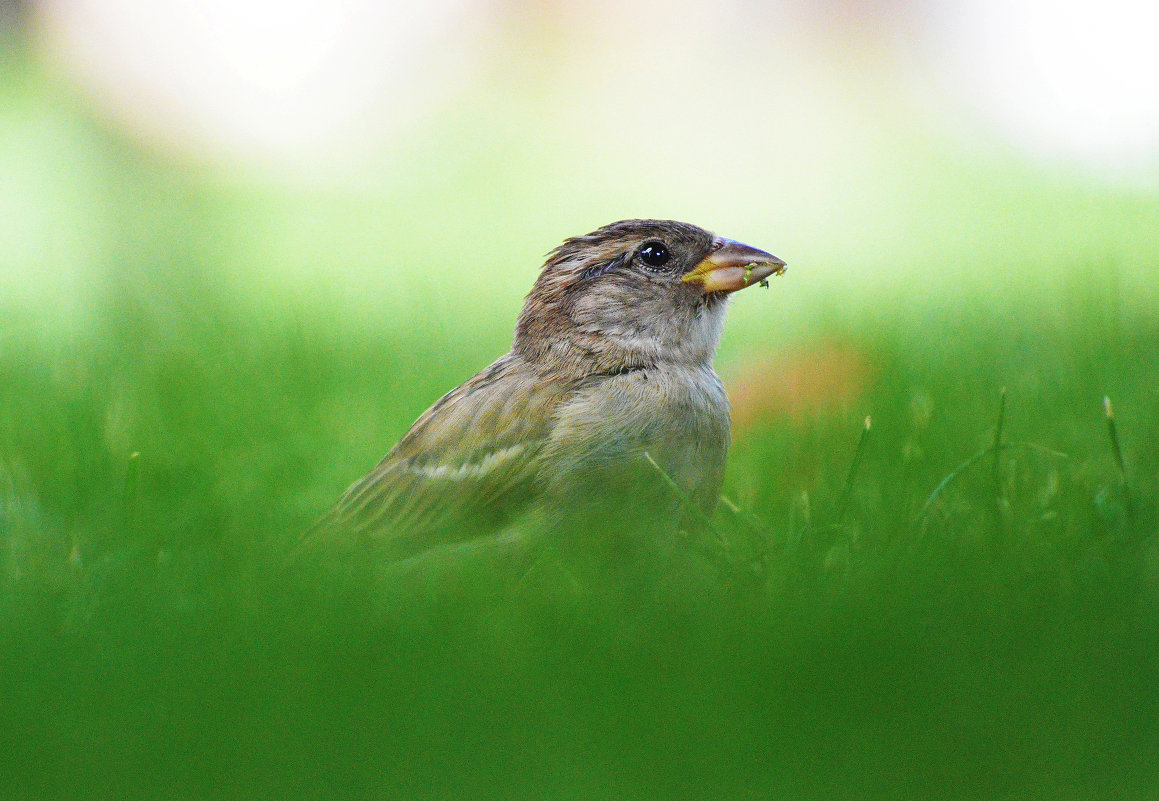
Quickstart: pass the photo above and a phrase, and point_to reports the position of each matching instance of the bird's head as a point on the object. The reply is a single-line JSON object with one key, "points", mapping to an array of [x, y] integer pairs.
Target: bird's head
{"points": [[635, 293]]}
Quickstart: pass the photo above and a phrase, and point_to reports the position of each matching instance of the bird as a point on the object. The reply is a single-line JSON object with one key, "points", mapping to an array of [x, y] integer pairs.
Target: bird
{"points": [[607, 403]]}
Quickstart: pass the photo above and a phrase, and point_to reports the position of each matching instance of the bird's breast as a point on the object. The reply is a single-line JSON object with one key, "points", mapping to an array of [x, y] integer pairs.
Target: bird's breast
{"points": [[678, 416]]}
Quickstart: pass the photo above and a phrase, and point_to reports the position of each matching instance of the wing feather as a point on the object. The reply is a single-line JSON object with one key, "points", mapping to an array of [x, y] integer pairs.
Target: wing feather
{"points": [[472, 456]]}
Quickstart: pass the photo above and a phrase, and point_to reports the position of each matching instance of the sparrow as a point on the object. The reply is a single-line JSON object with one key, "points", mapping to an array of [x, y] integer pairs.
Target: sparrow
{"points": [[606, 401]]}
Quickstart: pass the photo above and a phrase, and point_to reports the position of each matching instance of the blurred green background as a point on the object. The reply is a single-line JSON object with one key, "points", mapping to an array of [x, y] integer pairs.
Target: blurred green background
{"points": [[244, 245]]}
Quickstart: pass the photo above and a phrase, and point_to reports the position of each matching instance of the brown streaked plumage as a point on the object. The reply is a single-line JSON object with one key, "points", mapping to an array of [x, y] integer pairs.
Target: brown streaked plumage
{"points": [[612, 358]]}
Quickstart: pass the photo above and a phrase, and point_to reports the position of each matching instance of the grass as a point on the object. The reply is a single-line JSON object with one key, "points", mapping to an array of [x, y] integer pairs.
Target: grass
{"points": [[961, 603]]}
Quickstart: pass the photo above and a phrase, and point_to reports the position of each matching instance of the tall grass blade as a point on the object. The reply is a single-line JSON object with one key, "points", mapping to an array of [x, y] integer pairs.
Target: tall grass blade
{"points": [[1117, 450], [847, 492], [996, 447], [131, 498]]}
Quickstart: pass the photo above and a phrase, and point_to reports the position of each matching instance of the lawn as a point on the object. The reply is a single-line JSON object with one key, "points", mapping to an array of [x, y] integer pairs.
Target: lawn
{"points": [[959, 601], [899, 613]]}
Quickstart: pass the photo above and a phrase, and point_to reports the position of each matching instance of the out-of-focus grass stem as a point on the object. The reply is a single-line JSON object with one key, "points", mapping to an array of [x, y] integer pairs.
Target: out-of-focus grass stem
{"points": [[851, 476], [131, 496], [1117, 450]]}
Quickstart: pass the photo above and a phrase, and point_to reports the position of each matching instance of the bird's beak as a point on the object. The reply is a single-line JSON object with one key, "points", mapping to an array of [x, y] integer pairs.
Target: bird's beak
{"points": [[730, 266]]}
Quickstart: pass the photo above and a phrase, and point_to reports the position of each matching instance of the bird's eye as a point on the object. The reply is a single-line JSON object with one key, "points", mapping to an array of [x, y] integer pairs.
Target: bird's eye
{"points": [[654, 254]]}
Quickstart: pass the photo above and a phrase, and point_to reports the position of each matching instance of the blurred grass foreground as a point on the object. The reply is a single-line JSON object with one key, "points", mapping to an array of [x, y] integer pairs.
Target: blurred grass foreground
{"points": [[961, 603]]}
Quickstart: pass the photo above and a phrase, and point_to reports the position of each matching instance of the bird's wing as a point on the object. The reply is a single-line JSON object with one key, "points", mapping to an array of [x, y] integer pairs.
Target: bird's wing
{"points": [[471, 457]]}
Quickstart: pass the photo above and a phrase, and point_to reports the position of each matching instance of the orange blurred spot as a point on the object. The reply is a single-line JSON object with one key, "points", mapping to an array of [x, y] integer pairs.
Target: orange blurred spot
{"points": [[827, 377]]}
